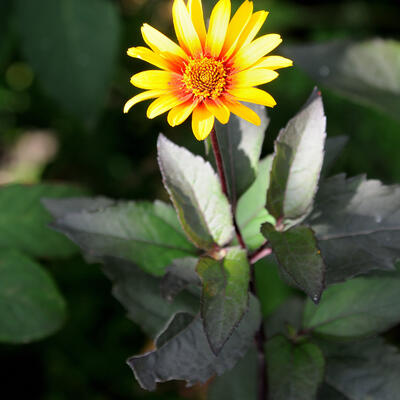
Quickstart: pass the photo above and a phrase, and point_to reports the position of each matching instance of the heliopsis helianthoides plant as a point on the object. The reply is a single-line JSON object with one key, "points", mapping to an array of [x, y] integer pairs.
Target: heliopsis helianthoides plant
{"points": [[212, 70], [227, 280]]}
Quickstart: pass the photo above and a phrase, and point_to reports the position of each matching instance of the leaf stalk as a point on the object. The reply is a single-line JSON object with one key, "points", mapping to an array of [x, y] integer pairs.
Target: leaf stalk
{"points": [[263, 251]]}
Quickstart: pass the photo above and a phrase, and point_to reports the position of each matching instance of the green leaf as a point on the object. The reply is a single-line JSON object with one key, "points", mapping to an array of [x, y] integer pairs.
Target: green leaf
{"points": [[298, 255], [367, 72], [178, 322], [288, 314], [240, 143], [147, 234], [72, 47], [357, 225], [140, 294], [187, 354], [179, 275], [295, 370], [327, 392], [195, 190], [271, 291], [333, 148], [364, 370], [299, 152], [31, 307], [237, 384], [250, 211], [24, 221], [60, 207], [359, 307], [225, 296]]}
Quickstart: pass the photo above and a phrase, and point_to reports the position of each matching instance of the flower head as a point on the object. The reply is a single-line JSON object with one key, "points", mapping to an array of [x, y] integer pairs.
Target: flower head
{"points": [[211, 71]]}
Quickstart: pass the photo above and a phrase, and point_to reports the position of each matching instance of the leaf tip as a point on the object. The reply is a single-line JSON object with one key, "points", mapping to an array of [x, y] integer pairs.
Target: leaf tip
{"points": [[142, 373], [161, 140], [316, 95], [316, 298]]}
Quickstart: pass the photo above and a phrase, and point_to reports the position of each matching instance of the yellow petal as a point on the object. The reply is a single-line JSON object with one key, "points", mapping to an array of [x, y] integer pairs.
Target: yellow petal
{"points": [[196, 14], [153, 79], [252, 28], [180, 113], [150, 94], [202, 122], [174, 61], [274, 62], [236, 26], [244, 112], [218, 26], [251, 53], [220, 111], [158, 42], [184, 29], [145, 54], [162, 105], [253, 95], [253, 77]]}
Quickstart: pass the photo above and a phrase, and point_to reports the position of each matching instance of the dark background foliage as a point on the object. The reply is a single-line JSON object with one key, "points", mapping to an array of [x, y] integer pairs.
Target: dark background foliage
{"points": [[99, 148]]}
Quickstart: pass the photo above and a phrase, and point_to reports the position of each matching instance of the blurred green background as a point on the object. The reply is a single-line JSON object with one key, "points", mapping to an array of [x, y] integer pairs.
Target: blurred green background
{"points": [[64, 78]]}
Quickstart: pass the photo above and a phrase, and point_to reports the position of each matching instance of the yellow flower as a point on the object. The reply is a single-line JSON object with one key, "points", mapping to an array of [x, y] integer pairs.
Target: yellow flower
{"points": [[211, 71]]}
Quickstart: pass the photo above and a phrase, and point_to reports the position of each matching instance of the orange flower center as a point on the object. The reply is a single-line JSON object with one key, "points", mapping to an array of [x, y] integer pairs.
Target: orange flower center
{"points": [[205, 77]]}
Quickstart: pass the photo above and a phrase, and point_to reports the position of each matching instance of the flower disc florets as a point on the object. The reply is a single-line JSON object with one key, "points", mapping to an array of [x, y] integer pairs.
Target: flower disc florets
{"points": [[205, 77]]}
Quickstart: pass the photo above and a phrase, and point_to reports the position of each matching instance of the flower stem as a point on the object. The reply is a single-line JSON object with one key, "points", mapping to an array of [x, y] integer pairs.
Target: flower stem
{"points": [[260, 336], [222, 178], [218, 160]]}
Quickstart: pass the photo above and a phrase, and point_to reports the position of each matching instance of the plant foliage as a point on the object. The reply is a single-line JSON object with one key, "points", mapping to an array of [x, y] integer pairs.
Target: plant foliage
{"points": [[182, 275]]}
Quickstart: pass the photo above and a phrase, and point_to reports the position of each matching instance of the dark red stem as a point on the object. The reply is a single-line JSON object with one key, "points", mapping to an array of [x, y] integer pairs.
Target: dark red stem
{"points": [[260, 336], [218, 160], [239, 235], [262, 364], [222, 178]]}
